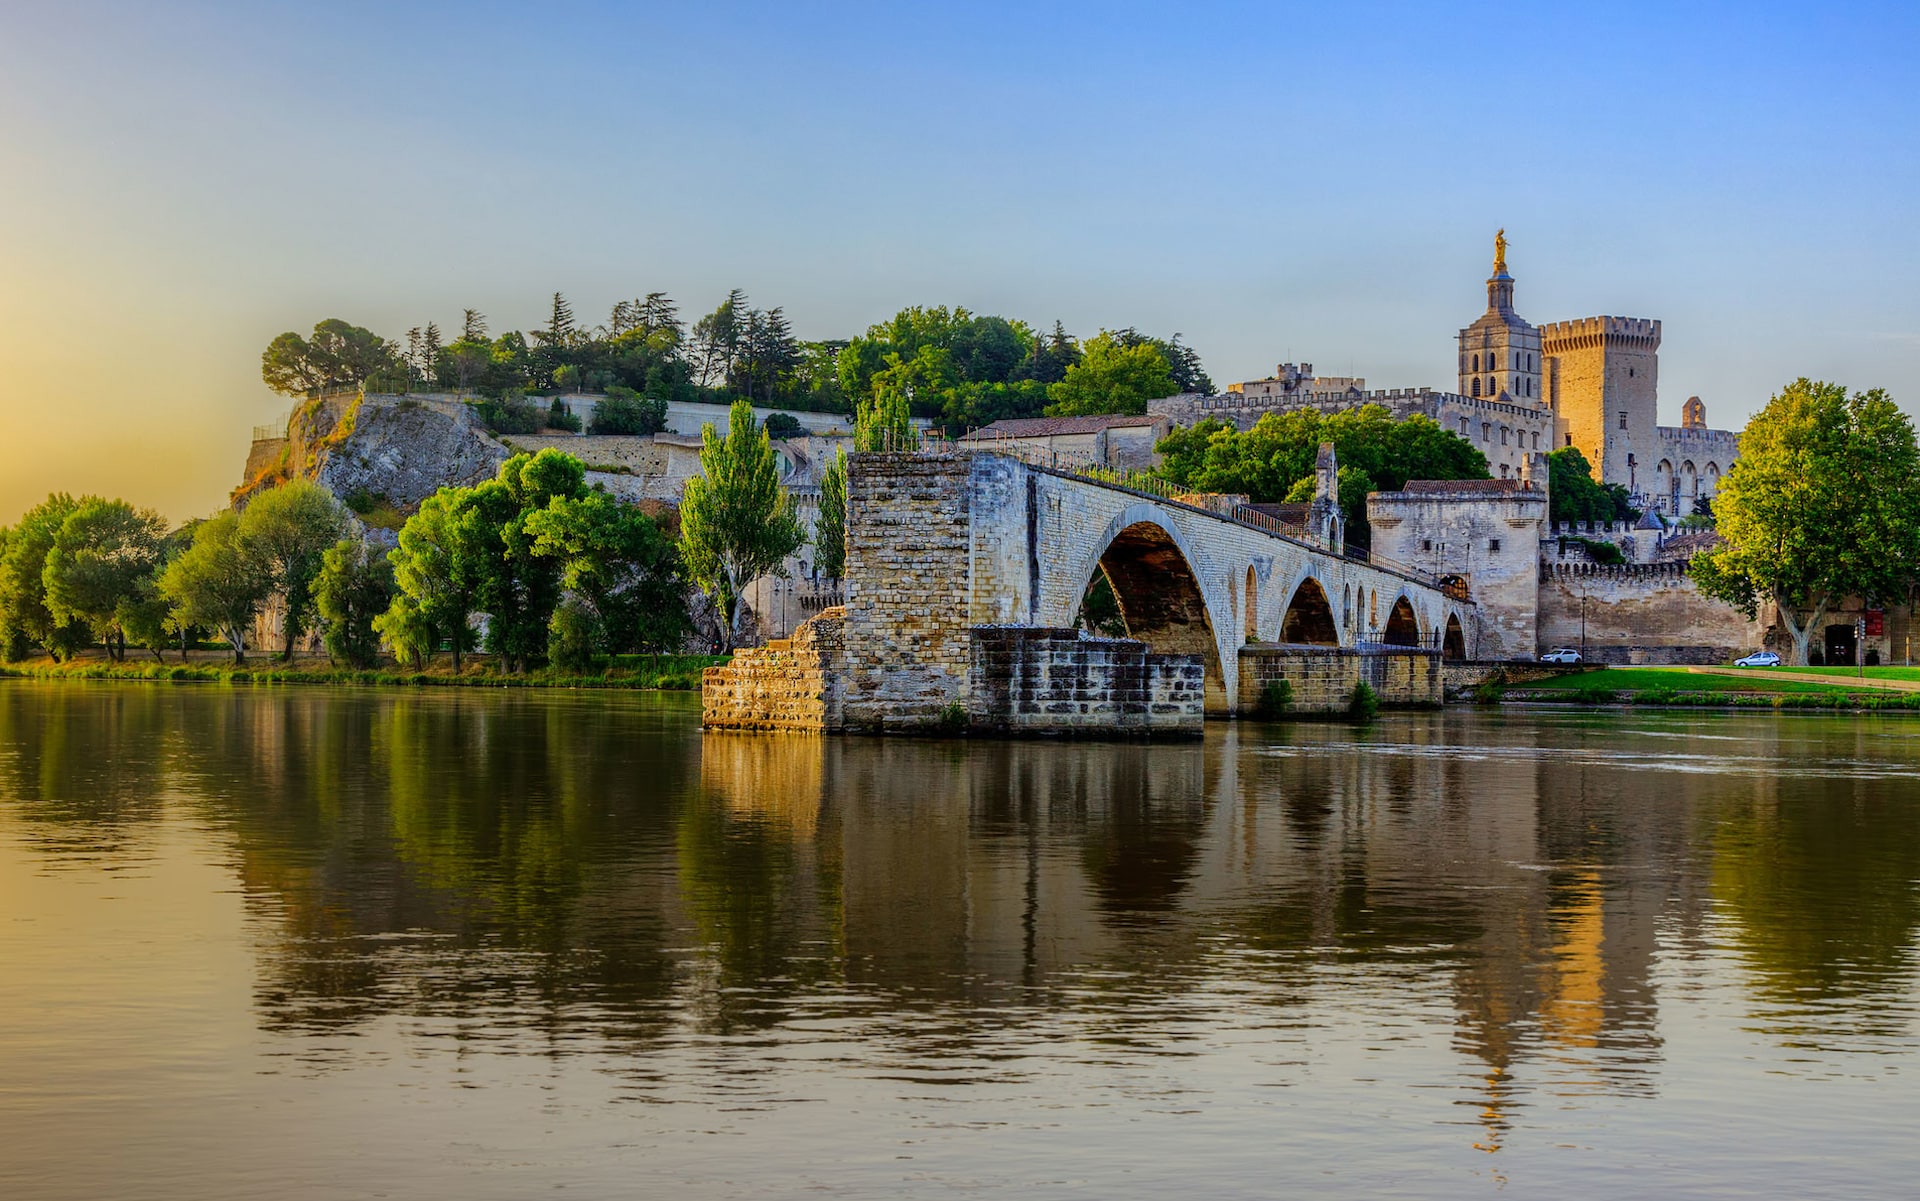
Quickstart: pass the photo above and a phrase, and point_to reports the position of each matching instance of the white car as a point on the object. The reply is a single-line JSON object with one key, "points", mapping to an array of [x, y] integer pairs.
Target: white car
{"points": [[1561, 654], [1759, 659]]}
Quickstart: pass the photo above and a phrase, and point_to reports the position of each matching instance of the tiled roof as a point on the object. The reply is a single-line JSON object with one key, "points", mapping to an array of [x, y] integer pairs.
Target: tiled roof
{"points": [[1509, 485], [1047, 427]]}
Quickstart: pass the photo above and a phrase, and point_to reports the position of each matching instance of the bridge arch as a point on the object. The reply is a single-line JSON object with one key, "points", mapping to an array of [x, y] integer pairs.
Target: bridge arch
{"points": [[1453, 646], [1403, 627], [1309, 616], [1157, 581]]}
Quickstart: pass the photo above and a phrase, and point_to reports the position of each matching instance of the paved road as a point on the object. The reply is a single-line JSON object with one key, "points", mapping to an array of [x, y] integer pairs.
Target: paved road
{"points": [[1840, 678]]}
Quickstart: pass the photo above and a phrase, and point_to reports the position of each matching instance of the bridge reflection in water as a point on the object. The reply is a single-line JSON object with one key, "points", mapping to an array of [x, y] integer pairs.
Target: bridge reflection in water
{"points": [[591, 875]]}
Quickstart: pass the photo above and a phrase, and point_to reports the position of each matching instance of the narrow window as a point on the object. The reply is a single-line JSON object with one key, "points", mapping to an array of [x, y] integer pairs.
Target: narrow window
{"points": [[1623, 419], [1463, 427], [1486, 431], [1493, 546], [1569, 439], [1503, 435], [1426, 544], [1476, 385]]}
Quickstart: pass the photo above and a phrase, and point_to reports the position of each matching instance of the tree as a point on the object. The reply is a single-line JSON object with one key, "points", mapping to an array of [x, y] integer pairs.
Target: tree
{"points": [[736, 522], [1112, 377], [219, 581], [1573, 494], [1822, 504], [830, 531], [517, 587], [1276, 456], [885, 422], [338, 355], [784, 426], [101, 562], [25, 618], [288, 529], [436, 581], [717, 338], [624, 411], [354, 587], [621, 574]]}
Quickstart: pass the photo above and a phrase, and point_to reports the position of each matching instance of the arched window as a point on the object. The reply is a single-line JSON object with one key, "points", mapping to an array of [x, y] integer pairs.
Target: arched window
{"points": [[1476, 385], [1476, 364]]}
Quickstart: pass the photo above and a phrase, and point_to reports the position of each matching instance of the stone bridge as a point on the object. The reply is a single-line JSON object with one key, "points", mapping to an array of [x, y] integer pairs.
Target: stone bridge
{"points": [[963, 567]]}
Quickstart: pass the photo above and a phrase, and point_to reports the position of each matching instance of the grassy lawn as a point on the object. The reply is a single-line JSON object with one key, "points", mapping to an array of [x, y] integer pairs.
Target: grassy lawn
{"points": [[1872, 673], [1649, 679]]}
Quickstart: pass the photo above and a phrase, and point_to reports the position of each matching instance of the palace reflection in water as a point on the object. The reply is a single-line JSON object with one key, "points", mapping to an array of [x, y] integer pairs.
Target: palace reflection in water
{"points": [[565, 875]]}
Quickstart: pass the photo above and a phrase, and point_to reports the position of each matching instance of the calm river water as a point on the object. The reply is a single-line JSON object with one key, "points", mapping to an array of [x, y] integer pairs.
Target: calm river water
{"points": [[336, 944]]}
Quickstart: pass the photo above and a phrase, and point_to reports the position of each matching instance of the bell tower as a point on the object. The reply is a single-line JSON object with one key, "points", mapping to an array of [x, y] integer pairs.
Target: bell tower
{"points": [[1500, 353]]}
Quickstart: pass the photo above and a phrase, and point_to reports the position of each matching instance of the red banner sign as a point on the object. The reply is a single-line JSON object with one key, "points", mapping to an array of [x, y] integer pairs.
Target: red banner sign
{"points": [[1876, 623]]}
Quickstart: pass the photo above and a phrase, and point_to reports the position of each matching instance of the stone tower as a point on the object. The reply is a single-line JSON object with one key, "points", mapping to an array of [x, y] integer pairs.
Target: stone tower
{"points": [[1601, 377], [1500, 353]]}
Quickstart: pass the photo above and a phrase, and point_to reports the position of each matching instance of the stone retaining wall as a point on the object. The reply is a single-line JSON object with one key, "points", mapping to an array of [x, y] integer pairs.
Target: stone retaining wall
{"points": [[1322, 677], [1058, 681]]}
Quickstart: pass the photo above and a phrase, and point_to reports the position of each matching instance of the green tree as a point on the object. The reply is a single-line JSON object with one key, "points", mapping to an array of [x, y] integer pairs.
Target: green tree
{"points": [[25, 618], [624, 411], [219, 581], [1574, 495], [1277, 456], [354, 587], [289, 528], [436, 581], [518, 588], [884, 422], [621, 574], [736, 522], [338, 355], [101, 566], [1112, 377], [830, 531], [1822, 504]]}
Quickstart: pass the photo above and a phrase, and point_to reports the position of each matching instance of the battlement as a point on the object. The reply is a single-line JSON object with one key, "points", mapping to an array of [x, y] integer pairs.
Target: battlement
{"points": [[1729, 439], [1401, 399], [1641, 332], [1671, 571]]}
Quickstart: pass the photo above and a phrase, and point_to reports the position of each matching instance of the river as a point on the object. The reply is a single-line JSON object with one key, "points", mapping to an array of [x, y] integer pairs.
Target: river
{"points": [[316, 943]]}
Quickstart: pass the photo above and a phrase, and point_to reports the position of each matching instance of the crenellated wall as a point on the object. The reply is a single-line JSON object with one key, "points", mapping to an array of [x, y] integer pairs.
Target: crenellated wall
{"points": [[1640, 613]]}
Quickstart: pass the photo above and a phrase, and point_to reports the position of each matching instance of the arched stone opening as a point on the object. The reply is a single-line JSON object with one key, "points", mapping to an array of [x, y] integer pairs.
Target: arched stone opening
{"points": [[1453, 647], [1309, 616], [1403, 628], [1161, 602], [1253, 606]]}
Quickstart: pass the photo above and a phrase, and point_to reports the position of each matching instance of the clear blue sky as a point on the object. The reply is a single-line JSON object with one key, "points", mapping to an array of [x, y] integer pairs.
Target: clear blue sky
{"points": [[178, 183]]}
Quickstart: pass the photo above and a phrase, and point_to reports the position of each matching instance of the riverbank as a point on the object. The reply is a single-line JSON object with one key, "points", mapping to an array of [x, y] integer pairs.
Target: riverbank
{"points": [[1890, 688], [664, 672]]}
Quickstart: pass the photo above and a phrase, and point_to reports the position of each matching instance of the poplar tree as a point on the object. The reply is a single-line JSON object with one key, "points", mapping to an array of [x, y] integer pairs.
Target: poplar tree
{"points": [[736, 522], [830, 531]]}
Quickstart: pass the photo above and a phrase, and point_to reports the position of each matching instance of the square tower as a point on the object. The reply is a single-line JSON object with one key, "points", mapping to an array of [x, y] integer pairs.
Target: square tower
{"points": [[1601, 379]]}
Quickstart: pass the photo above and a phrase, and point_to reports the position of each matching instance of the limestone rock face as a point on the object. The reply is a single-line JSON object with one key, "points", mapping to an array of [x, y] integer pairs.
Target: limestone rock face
{"points": [[406, 453]]}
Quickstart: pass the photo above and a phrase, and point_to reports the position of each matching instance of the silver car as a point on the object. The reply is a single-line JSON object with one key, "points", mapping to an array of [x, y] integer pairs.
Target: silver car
{"points": [[1561, 654], [1759, 659]]}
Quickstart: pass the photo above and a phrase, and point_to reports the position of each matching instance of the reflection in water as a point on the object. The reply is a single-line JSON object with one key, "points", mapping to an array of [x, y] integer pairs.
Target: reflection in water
{"points": [[566, 876]]}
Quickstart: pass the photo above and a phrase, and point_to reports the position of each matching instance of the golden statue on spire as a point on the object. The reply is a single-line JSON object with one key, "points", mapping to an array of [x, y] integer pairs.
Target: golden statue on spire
{"points": [[1500, 252]]}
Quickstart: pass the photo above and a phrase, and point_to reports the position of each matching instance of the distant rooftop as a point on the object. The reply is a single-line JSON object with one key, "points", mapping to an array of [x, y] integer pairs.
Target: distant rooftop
{"points": [[1047, 427], [1510, 485]]}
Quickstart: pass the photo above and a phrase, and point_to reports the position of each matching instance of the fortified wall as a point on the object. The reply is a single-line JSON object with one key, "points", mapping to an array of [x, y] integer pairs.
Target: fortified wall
{"points": [[1640, 613]]}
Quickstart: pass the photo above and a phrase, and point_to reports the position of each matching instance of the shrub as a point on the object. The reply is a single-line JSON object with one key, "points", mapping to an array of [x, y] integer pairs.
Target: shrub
{"points": [[511, 414], [1364, 702], [953, 719], [1274, 700], [1602, 552], [624, 411], [782, 426], [570, 637], [560, 417]]}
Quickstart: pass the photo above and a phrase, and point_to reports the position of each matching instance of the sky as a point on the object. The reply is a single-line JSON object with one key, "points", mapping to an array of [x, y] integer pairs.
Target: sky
{"points": [[1320, 183]]}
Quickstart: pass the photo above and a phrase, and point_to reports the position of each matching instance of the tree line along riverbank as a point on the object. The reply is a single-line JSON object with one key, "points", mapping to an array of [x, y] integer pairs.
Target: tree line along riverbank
{"points": [[674, 673]]}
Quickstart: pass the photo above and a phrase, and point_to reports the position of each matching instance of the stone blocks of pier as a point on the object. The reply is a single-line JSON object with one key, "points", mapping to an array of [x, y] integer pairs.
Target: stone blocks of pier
{"points": [[1025, 680], [1322, 677]]}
